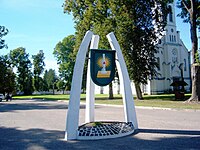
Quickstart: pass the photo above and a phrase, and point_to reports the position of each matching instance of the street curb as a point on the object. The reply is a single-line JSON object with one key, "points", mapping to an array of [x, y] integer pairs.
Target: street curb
{"points": [[142, 107], [146, 107]]}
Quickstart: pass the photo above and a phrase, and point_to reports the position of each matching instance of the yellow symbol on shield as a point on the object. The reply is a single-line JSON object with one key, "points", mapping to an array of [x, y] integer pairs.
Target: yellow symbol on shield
{"points": [[103, 62]]}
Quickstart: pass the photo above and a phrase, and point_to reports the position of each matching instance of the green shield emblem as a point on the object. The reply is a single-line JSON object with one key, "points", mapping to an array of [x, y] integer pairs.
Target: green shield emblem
{"points": [[102, 66]]}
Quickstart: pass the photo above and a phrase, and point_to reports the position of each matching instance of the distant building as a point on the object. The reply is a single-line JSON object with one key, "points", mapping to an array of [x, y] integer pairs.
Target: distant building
{"points": [[173, 59]]}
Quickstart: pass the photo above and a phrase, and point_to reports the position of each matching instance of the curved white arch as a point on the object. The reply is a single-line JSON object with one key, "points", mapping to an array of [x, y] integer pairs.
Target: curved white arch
{"points": [[90, 88], [72, 120], [129, 107]]}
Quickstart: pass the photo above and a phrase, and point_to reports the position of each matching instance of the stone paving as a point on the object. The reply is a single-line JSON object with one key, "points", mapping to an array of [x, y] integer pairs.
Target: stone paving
{"points": [[102, 130]]}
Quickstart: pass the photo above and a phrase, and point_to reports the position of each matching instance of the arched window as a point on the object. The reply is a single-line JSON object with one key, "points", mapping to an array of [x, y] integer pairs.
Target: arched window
{"points": [[174, 56], [185, 65], [158, 63], [159, 41], [170, 14]]}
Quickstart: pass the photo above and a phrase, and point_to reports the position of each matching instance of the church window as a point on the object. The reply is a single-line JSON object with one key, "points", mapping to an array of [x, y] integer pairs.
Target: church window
{"points": [[172, 30], [170, 14], [185, 65], [174, 52], [174, 56], [158, 62], [170, 38], [174, 38]]}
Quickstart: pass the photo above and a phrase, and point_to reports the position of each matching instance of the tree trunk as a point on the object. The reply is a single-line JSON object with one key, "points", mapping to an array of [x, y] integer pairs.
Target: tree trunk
{"points": [[53, 89], [110, 91], [138, 91], [195, 71], [193, 30]]}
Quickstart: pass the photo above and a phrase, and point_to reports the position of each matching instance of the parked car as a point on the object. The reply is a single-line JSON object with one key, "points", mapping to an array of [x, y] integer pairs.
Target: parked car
{"points": [[8, 97], [1, 97]]}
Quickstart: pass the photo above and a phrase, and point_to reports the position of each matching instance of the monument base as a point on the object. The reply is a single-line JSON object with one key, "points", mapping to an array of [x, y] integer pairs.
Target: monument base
{"points": [[104, 130]]}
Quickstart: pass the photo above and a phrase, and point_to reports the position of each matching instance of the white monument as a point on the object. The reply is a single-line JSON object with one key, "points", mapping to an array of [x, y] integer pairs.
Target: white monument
{"points": [[73, 131]]}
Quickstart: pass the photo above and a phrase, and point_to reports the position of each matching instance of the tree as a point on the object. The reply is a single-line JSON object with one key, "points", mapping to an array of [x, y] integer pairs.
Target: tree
{"points": [[38, 63], [190, 12], [64, 53], [139, 25], [3, 32], [50, 78], [7, 76], [88, 21], [61, 85], [20, 60], [102, 28], [136, 23]]}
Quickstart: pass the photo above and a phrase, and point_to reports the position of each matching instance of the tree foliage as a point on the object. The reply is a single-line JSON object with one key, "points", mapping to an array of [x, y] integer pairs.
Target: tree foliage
{"points": [[23, 79], [187, 7], [190, 12], [61, 85], [20, 60], [3, 32], [137, 35], [7, 76], [50, 78], [65, 55], [137, 25], [38, 63]]}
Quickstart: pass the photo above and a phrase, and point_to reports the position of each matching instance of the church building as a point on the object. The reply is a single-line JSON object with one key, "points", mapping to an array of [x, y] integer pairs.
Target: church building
{"points": [[173, 59], [173, 62]]}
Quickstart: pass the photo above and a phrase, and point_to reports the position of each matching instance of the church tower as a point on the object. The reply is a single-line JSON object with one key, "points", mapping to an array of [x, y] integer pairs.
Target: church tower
{"points": [[172, 57], [170, 28]]}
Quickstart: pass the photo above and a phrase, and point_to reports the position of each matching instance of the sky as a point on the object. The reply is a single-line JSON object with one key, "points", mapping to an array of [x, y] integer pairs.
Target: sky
{"points": [[35, 25], [41, 24]]}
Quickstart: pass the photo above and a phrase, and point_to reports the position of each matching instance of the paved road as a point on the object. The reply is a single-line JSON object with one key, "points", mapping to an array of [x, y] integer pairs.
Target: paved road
{"points": [[34, 124]]}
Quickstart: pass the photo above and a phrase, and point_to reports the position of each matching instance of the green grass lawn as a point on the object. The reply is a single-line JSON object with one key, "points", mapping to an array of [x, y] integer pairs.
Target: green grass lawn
{"points": [[164, 100]]}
